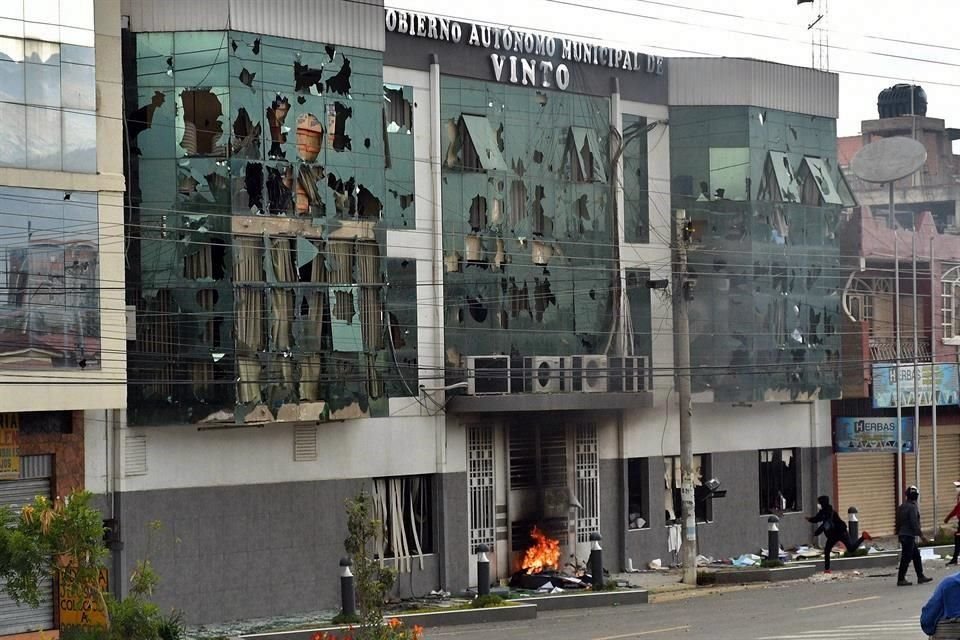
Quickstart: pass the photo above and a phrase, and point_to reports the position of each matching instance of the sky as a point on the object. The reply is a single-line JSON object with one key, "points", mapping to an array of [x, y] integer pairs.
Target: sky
{"points": [[872, 44]]}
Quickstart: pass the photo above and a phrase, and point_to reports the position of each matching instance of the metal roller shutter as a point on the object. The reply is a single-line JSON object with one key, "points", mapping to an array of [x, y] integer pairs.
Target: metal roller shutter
{"points": [[948, 470], [16, 493], [866, 481]]}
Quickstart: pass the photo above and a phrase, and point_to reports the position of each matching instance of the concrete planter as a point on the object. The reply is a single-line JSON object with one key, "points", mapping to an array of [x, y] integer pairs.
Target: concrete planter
{"points": [[762, 574], [587, 599], [452, 617]]}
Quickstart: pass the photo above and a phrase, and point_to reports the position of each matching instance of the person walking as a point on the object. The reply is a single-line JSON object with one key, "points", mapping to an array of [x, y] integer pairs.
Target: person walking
{"points": [[833, 526], [955, 514], [908, 530]]}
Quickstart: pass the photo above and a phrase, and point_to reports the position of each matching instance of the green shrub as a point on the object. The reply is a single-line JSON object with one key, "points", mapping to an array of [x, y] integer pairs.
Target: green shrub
{"points": [[855, 554], [343, 618], [172, 626], [134, 619], [770, 564], [75, 632], [488, 600]]}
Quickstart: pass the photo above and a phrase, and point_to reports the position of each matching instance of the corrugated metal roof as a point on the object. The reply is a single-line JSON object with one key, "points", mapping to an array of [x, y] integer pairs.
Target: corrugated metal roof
{"points": [[349, 24], [758, 83]]}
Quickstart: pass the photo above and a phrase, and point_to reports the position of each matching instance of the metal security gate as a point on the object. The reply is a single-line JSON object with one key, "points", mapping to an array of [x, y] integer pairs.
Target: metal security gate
{"points": [[948, 470], [480, 484], [588, 482], [35, 472], [866, 481]]}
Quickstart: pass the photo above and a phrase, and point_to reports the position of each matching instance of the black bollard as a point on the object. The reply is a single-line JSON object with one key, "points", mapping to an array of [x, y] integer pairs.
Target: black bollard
{"points": [[596, 560], [773, 539], [853, 523], [483, 570], [348, 599]]}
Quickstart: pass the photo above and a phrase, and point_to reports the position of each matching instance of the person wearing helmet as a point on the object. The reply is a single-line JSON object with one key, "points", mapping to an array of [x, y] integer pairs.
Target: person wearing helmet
{"points": [[955, 514], [833, 526], [908, 530]]}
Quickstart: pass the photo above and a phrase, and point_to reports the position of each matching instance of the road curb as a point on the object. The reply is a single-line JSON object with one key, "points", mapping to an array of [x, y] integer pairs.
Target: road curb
{"points": [[508, 613], [587, 600]]}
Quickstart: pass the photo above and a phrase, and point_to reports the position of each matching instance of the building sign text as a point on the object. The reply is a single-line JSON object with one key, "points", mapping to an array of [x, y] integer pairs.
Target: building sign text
{"points": [[522, 57]]}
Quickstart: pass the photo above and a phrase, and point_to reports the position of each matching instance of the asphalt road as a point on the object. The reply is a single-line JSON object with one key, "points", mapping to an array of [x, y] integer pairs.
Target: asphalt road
{"points": [[844, 607]]}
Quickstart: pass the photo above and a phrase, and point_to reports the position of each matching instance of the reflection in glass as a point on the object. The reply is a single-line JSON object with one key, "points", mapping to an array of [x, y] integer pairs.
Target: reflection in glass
{"points": [[11, 81], [41, 52], [13, 135], [80, 55], [79, 142], [11, 49], [43, 134], [41, 31], [79, 90], [43, 85], [49, 305], [79, 37]]}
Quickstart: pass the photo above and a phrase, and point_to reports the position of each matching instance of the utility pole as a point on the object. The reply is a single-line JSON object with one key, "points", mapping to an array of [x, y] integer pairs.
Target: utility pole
{"points": [[681, 330]]}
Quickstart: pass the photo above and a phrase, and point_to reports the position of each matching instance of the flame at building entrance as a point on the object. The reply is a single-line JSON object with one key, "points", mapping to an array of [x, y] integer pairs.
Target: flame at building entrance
{"points": [[543, 554]]}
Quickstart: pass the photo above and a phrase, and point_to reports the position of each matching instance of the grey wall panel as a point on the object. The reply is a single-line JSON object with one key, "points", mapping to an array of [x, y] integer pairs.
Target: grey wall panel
{"points": [[612, 518], [226, 553], [733, 81], [351, 24], [455, 535]]}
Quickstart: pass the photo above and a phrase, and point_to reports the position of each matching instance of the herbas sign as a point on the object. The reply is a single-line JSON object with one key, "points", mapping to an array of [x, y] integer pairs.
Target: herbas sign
{"points": [[523, 57]]}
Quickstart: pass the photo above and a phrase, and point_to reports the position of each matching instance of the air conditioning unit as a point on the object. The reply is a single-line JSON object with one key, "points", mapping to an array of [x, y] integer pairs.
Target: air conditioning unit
{"points": [[543, 374], [587, 374], [488, 375], [628, 374]]}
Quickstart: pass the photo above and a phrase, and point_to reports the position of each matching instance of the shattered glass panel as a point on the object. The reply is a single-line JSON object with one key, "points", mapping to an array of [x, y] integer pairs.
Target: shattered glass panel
{"points": [[636, 189], [527, 248], [820, 173], [399, 210], [764, 316], [258, 182]]}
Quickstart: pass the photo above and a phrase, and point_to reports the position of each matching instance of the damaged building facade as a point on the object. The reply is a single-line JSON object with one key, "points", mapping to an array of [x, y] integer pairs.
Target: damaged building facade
{"points": [[62, 320], [385, 251]]}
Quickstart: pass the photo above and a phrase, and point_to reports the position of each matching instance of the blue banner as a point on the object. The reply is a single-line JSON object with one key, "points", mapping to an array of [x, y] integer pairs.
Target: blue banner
{"points": [[936, 382], [878, 434]]}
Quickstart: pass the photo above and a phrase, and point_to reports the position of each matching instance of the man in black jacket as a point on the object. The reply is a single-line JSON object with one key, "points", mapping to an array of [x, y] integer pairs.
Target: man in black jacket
{"points": [[908, 530], [833, 526]]}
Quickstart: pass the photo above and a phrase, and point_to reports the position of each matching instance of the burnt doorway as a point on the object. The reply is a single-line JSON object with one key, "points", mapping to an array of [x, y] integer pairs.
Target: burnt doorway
{"points": [[553, 492]]}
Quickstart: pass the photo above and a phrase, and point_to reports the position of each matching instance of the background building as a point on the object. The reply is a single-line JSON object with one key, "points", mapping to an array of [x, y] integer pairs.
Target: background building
{"points": [[872, 242]]}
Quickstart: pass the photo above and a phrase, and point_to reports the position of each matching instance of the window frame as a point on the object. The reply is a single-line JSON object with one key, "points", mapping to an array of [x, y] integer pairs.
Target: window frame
{"points": [[949, 298], [764, 478], [638, 469]]}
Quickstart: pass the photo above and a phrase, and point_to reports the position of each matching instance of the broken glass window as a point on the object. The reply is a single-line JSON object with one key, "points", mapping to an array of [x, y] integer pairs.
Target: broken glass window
{"points": [[585, 162], [779, 183], [398, 109], [344, 319], [816, 184], [200, 121], [477, 145]]}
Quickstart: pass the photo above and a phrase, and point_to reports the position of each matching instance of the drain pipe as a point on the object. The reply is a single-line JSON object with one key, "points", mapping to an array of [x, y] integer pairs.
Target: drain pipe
{"points": [[437, 289]]}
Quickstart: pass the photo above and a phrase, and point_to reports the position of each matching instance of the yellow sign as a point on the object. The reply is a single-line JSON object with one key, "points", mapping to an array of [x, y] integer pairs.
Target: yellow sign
{"points": [[83, 612], [9, 446]]}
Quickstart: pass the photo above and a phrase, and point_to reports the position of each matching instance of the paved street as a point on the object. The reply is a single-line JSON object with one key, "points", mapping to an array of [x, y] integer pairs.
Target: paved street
{"points": [[847, 607]]}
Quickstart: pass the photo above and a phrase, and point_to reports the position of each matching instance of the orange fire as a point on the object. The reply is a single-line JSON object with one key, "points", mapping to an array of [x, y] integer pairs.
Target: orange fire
{"points": [[544, 554]]}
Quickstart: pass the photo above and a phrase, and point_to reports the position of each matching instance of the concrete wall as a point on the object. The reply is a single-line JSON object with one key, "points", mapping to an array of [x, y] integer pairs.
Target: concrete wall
{"points": [[737, 526], [226, 553]]}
